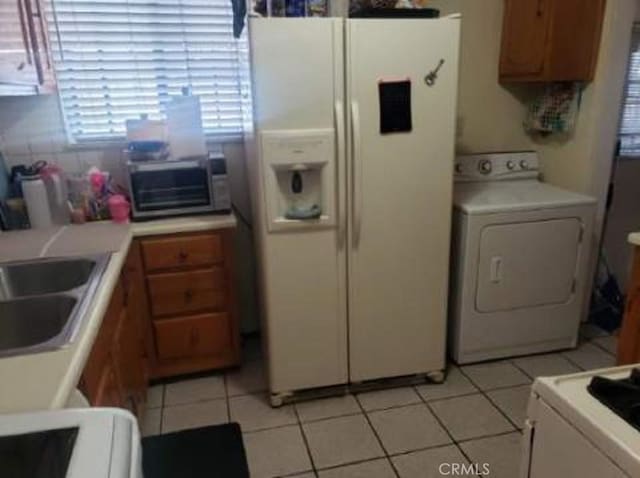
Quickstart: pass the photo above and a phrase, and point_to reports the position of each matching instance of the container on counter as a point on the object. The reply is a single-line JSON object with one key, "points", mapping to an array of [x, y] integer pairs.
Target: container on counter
{"points": [[119, 208], [36, 199]]}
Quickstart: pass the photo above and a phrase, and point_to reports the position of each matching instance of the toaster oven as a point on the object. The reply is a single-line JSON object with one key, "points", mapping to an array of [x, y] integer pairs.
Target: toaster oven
{"points": [[167, 187]]}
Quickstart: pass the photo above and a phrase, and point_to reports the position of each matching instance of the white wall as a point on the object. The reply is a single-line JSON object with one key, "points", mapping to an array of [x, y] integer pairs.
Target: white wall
{"points": [[489, 114]]}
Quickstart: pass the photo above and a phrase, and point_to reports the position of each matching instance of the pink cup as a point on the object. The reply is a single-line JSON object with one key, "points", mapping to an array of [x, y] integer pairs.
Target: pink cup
{"points": [[119, 208]]}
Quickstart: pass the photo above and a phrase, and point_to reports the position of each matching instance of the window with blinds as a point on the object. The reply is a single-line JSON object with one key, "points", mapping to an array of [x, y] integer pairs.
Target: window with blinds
{"points": [[119, 59], [630, 122]]}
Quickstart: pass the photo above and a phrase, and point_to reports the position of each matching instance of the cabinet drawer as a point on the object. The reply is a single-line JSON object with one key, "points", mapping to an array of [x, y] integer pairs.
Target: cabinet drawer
{"points": [[182, 292], [182, 251], [194, 336]]}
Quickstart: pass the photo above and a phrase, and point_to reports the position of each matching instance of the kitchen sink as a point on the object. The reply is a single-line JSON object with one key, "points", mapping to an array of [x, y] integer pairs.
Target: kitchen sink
{"points": [[43, 302], [43, 277], [33, 321]]}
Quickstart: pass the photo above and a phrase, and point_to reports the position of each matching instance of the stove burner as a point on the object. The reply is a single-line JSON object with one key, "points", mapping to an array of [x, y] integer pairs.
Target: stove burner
{"points": [[621, 396]]}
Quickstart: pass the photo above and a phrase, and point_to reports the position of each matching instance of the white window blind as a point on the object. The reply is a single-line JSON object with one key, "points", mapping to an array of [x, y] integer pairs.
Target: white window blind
{"points": [[630, 122], [118, 59]]}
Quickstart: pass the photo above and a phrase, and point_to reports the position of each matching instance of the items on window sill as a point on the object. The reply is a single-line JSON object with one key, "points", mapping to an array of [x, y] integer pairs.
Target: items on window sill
{"points": [[289, 8], [391, 9], [555, 110], [89, 196]]}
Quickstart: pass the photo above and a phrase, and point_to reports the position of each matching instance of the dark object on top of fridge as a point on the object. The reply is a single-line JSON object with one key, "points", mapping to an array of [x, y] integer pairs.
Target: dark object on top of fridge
{"points": [[622, 396], [371, 12]]}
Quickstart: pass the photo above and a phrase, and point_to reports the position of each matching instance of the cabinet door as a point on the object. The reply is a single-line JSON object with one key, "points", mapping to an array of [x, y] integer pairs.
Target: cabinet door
{"points": [[136, 303], [17, 64], [93, 374], [129, 363], [194, 336], [109, 392], [575, 35], [524, 37], [184, 292]]}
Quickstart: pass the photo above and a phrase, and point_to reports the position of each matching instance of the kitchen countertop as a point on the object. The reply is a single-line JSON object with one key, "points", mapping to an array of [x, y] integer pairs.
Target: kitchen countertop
{"points": [[634, 238], [46, 380]]}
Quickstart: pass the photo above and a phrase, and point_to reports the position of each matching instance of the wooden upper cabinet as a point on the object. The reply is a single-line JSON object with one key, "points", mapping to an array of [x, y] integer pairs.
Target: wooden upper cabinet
{"points": [[550, 40], [524, 36]]}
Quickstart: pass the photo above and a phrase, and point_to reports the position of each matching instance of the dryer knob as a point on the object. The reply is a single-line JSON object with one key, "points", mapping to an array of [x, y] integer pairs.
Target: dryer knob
{"points": [[485, 166], [524, 164], [510, 165], [458, 168]]}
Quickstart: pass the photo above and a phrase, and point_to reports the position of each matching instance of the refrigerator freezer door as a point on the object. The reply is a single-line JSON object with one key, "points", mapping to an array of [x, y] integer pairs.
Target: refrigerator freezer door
{"points": [[400, 196], [298, 78]]}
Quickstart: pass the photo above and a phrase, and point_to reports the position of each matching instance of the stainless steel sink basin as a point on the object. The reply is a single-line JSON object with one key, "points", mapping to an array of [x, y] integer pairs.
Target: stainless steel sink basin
{"points": [[43, 302], [28, 322], [43, 277]]}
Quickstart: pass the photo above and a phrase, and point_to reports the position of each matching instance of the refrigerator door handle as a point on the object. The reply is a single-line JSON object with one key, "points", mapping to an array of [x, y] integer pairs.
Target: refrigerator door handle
{"points": [[340, 153], [356, 172]]}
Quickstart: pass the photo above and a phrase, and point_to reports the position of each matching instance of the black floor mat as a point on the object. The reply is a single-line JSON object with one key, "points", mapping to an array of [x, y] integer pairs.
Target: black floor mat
{"points": [[215, 451]]}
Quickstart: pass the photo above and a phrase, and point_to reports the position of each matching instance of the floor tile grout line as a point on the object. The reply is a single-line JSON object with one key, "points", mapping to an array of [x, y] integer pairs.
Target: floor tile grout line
{"points": [[277, 427], [375, 432], [444, 427], [457, 442], [195, 402], [226, 396], [575, 364], [305, 440], [323, 419], [601, 347], [164, 391], [512, 362], [352, 463], [486, 396], [493, 435]]}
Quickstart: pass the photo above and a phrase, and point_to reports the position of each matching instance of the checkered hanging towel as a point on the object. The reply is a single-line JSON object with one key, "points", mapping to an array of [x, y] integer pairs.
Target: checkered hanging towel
{"points": [[555, 110]]}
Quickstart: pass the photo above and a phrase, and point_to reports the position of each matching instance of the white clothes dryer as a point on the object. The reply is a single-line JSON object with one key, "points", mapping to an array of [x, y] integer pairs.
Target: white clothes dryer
{"points": [[519, 259]]}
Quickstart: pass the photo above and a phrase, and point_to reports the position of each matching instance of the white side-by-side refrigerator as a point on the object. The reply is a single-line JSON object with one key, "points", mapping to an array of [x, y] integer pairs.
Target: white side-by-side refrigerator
{"points": [[350, 162]]}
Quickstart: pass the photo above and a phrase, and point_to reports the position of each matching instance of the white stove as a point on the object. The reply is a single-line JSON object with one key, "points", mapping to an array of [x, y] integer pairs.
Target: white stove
{"points": [[71, 443], [570, 433]]}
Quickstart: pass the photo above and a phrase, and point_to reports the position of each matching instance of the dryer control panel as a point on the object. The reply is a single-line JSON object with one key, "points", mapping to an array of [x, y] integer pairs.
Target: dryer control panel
{"points": [[497, 166]]}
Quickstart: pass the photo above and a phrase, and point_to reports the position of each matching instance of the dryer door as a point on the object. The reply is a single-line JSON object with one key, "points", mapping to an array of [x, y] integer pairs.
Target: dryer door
{"points": [[527, 264]]}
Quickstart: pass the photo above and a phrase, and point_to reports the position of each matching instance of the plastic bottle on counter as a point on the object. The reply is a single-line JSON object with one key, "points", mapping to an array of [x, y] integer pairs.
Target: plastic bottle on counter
{"points": [[36, 199]]}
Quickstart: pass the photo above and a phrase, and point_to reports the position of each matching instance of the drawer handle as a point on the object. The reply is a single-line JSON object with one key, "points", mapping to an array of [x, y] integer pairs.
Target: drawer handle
{"points": [[188, 295], [183, 256]]}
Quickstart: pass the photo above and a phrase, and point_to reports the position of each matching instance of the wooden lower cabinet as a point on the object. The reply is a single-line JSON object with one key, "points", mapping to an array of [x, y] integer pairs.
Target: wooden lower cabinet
{"points": [[190, 290], [172, 312], [629, 339], [116, 373], [194, 336], [176, 293]]}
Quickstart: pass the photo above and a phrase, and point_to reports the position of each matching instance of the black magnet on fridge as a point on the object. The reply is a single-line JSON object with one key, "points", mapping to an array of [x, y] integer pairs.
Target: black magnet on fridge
{"points": [[395, 106]]}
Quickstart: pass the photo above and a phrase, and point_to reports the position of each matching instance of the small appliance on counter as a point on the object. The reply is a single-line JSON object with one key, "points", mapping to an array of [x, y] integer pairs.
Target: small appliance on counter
{"points": [[178, 187]]}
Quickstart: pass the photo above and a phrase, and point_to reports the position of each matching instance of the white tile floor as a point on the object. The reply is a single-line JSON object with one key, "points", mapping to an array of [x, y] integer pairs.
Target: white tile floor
{"points": [[474, 417]]}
